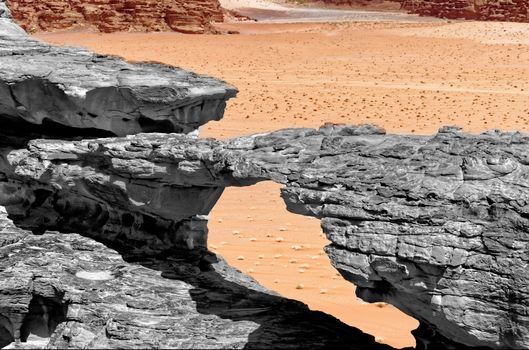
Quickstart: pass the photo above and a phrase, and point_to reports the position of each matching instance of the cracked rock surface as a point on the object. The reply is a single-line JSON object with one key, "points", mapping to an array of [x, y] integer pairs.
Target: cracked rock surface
{"points": [[190, 16], [64, 92], [68, 292], [436, 226]]}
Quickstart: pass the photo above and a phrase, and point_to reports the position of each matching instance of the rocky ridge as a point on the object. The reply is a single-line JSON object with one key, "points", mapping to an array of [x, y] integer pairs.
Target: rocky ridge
{"points": [[484, 10], [194, 16]]}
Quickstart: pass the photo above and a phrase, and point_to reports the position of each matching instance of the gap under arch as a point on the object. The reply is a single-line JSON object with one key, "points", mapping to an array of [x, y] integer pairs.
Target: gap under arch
{"points": [[252, 229]]}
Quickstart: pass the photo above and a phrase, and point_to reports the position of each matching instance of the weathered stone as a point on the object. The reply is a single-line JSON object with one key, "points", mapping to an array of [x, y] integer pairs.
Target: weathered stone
{"points": [[486, 10], [194, 16], [66, 92], [69, 292], [433, 225]]}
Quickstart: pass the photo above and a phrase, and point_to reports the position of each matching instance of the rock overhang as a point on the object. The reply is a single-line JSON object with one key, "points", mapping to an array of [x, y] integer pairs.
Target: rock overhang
{"points": [[78, 89]]}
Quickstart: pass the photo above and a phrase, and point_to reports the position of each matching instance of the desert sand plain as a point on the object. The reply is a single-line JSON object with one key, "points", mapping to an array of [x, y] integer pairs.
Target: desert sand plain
{"points": [[407, 77]]}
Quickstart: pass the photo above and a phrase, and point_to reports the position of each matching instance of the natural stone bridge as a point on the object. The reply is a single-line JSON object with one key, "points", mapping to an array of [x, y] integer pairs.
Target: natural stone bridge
{"points": [[435, 225]]}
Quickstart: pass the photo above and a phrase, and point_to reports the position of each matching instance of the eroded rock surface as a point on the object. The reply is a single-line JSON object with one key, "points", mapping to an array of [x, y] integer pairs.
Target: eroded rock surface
{"points": [[68, 291], [64, 92], [486, 10], [436, 226], [194, 16]]}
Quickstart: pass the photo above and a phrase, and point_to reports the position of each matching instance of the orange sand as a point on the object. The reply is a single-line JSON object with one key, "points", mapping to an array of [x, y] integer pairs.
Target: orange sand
{"points": [[407, 78]]}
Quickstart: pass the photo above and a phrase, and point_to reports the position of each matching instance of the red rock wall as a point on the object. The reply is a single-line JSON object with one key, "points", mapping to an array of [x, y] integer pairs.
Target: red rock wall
{"points": [[188, 16], [488, 10]]}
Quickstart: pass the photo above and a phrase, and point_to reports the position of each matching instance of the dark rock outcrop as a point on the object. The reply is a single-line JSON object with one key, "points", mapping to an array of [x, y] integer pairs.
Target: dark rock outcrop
{"points": [[195, 16], [63, 92], [69, 292], [433, 225]]}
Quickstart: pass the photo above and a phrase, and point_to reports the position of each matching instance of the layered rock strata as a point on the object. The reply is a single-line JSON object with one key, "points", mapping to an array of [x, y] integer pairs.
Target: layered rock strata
{"points": [[486, 10], [194, 16], [64, 92], [433, 225]]}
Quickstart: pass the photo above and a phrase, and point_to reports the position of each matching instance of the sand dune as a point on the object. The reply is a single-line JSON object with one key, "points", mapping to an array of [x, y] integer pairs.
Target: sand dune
{"points": [[408, 78]]}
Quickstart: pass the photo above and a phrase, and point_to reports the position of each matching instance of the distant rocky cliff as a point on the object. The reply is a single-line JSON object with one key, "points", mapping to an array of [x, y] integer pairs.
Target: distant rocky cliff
{"points": [[486, 10], [193, 16]]}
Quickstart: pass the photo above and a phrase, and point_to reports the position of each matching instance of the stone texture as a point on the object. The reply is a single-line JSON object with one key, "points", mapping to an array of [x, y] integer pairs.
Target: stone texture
{"points": [[65, 92], [486, 10], [149, 192], [194, 16], [69, 292], [436, 226]]}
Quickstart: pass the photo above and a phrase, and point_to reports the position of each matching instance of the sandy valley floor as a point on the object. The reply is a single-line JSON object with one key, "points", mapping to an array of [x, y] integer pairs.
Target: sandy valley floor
{"points": [[408, 78]]}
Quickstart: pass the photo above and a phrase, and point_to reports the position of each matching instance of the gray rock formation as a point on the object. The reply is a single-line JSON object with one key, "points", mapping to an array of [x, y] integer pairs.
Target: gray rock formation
{"points": [[436, 226], [69, 292], [433, 225], [65, 92]]}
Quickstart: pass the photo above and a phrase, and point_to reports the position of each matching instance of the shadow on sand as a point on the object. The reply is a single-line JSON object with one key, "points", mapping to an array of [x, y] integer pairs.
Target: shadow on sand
{"points": [[283, 323]]}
